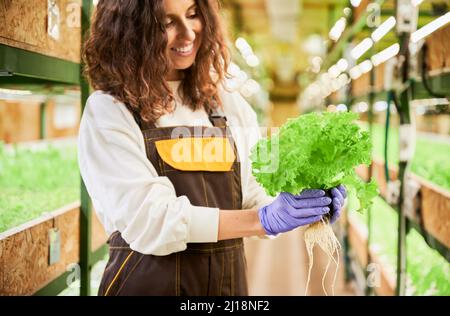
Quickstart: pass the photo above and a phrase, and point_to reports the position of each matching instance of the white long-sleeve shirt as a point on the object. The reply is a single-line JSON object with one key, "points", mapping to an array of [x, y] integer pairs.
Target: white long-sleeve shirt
{"points": [[127, 193]]}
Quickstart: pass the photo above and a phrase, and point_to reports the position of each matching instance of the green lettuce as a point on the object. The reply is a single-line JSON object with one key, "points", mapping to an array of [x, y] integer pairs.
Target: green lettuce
{"points": [[316, 150]]}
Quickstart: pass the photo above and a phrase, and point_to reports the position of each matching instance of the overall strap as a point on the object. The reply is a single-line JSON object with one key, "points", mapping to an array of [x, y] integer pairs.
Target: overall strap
{"points": [[141, 123], [218, 119]]}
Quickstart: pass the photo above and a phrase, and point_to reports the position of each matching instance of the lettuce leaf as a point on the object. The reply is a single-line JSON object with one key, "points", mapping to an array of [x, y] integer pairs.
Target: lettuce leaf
{"points": [[316, 150]]}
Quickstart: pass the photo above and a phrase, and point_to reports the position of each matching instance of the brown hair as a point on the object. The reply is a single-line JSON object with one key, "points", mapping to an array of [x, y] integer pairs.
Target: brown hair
{"points": [[125, 56]]}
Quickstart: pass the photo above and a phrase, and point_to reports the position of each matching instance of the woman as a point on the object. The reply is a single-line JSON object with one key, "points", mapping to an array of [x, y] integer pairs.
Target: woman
{"points": [[175, 225]]}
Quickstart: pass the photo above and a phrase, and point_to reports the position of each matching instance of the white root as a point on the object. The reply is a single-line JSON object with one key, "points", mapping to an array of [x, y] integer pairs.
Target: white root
{"points": [[322, 234]]}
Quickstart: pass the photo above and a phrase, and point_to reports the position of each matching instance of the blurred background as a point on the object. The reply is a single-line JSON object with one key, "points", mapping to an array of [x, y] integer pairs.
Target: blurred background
{"points": [[389, 61]]}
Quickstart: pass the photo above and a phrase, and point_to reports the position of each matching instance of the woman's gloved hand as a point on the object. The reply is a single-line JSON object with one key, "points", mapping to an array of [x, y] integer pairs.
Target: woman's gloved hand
{"points": [[338, 194], [290, 211]]}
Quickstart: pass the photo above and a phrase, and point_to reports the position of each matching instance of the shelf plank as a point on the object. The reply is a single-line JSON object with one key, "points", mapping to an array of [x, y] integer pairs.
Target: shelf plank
{"points": [[20, 66]]}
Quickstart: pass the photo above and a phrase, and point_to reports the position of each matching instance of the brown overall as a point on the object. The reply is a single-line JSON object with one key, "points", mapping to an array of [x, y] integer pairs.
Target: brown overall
{"points": [[203, 268]]}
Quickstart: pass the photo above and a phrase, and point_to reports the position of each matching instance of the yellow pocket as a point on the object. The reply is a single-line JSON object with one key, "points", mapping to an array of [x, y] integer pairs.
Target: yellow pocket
{"points": [[197, 154]]}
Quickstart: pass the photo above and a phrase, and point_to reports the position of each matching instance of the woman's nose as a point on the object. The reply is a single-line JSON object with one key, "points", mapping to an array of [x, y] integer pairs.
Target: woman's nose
{"points": [[186, 31]]}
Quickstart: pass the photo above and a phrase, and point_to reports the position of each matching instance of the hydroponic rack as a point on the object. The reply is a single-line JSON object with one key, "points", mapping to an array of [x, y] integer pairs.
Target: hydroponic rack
{"points": [[431, 208]]}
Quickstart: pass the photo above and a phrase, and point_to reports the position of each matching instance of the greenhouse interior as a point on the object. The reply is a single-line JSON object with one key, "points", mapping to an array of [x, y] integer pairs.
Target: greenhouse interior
{"points": [[353, 95]]}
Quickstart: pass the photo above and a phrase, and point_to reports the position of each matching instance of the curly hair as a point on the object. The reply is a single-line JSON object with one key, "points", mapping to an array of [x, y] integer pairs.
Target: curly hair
{"points": [[125, 56]]}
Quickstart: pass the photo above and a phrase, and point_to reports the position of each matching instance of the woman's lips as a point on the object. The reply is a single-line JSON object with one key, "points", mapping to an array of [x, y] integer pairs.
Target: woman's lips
{"points": [[184, 51]]}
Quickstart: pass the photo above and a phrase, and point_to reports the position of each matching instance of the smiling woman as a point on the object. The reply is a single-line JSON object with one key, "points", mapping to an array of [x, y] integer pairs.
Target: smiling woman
{"points": [[176, 226]]}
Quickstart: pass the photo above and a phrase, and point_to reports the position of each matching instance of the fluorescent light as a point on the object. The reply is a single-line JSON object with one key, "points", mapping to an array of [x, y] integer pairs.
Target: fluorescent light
{"points": [[385, 54], [362, 107], [430, 28], [360, 69], [341, 108], [241, 43], [338, 28], [416, 2], [252, 60], [361, 48], [383, 29], [366, 66], [355, 3], [343, 80], [355, 72], [233, 69], [334, 71], [342, 64], [347, 11], [381, 106], [244, 47]]}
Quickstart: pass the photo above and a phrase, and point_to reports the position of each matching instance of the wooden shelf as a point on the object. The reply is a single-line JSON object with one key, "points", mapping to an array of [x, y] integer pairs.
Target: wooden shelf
{"points": [[29, 58], [24, 267], [434, 218], [48, 28]]}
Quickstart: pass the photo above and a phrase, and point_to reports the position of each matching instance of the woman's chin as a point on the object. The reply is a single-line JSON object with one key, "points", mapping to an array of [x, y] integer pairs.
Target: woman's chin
{"points": [[183, 65]]}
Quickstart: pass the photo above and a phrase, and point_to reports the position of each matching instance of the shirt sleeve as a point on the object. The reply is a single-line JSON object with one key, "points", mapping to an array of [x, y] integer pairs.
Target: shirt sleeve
{"points": [[129, 195]]}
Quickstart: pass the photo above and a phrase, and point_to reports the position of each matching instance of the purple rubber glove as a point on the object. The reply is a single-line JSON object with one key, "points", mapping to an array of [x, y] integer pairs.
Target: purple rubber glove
{"points": [[338, 194], [290, 211]]}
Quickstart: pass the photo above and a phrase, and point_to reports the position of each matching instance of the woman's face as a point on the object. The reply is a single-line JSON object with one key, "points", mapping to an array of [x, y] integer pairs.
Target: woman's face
{"points": [[184, 32]]}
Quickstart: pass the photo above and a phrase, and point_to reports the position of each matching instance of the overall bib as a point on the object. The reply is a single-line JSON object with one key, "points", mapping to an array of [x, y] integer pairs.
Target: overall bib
{"points": [[203, 268]]}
